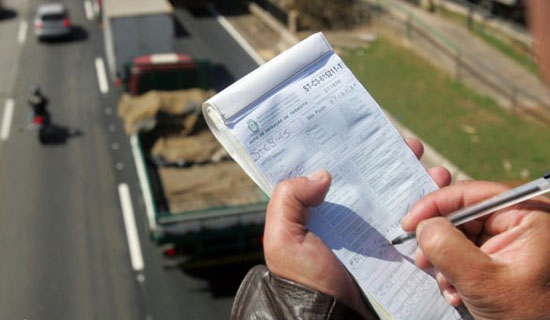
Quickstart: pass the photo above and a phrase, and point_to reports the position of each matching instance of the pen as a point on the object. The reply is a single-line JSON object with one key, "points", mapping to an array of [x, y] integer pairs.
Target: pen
{"points": [[500, 201]]}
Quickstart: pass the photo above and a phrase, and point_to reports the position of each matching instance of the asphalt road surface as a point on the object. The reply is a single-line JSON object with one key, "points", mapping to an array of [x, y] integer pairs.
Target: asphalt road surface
{"points": [[63, 242]]}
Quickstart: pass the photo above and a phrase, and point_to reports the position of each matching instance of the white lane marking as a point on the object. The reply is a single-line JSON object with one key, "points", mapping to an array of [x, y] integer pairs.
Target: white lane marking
{"points": [[6, 119], [237, 36], [22, 34], [130, 226], [89, 10], [101, 75], [144, 184]]}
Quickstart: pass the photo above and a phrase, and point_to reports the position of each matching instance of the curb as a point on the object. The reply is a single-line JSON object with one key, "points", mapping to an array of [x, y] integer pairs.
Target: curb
{"points": [[273, 23]]}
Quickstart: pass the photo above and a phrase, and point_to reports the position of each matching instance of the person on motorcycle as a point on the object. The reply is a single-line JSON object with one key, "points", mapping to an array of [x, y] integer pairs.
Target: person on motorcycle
{"points": [[38, 103]]}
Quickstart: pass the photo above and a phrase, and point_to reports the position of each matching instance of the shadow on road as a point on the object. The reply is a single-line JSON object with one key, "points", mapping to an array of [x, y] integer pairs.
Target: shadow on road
{"points": [[180, 30], [231, 9], [54, 134], [78, 34], [223, 280], [7, 14], [226, 8], [200, 12], [222, 77]]}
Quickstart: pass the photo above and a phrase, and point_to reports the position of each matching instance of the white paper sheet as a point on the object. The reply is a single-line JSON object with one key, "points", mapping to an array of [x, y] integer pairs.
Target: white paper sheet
{"points": [[322, 117]]}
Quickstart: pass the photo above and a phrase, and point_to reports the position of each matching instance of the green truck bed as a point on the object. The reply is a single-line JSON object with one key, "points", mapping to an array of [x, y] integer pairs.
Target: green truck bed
{"points": [[224, 228]]}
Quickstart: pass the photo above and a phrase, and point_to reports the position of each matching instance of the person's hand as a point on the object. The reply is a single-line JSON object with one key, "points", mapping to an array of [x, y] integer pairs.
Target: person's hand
{"points": [[498, 266], [295, 253]]}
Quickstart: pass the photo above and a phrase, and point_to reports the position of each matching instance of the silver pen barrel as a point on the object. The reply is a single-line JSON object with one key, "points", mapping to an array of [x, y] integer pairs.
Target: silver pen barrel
{"points": [[501, 201]]}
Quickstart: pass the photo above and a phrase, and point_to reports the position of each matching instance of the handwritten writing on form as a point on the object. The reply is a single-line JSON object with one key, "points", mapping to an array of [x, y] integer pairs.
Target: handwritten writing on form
{"points": [[324, 118]]}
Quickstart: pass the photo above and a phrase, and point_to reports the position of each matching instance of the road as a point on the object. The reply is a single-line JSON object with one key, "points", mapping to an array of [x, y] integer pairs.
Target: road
{"points": [[62, 239]]}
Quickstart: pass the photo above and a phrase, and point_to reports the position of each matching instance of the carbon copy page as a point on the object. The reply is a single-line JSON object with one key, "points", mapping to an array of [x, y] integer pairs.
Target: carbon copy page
{"points": [[324, 118]]}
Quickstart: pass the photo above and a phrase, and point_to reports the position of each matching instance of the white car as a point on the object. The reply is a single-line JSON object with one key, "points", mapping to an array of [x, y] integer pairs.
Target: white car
{"points": [[52, 21]]}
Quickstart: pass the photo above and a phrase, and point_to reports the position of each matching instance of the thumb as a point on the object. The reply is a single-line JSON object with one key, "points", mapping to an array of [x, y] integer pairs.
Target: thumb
{"points": [[292, 198], [453, 254]]}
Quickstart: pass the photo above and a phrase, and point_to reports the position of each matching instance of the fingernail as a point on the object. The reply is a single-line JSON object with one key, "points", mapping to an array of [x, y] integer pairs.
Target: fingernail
{"points": [[317, 175]]}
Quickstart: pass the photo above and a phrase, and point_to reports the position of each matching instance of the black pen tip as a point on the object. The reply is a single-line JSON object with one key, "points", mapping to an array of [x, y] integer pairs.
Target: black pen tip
{"points": [[397, 240]]}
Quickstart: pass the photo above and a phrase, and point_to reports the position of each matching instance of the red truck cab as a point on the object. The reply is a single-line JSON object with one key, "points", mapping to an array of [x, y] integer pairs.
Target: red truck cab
{"points": [[168, 71]]}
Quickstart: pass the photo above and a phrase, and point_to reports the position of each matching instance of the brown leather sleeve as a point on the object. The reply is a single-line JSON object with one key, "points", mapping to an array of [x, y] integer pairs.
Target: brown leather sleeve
{"points": [[263, 295]]}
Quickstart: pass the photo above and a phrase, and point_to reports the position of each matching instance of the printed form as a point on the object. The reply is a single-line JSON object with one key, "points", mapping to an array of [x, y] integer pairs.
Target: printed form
{"points": [[324, 118]]}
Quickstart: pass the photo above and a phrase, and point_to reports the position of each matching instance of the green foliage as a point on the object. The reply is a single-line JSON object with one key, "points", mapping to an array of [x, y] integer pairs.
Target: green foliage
{"points": [[470, 129]]}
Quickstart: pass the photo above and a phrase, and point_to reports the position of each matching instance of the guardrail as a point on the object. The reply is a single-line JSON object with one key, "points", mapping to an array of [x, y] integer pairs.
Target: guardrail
{"points": [[465, 68], [486, 18], [519, 99]]}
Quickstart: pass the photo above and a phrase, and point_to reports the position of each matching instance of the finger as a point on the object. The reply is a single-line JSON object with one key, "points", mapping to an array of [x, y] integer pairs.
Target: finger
{"points": [[452, 296], [473, 230], [448, 200], [447, 290], [441, 176], [421, 261], [506, 219], [442, 282], [287, 210], [451, 253], [416, 147], [529, 222]]}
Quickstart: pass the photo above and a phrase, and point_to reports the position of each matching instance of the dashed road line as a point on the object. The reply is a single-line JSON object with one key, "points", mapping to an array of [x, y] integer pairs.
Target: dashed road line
{"points": [[7, 119], [136, 256], [22, 33], [101, 76], [89, 10], [237, 36]]}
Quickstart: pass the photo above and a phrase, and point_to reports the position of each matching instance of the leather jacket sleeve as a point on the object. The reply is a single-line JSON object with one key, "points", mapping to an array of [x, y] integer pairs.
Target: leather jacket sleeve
{"points": [[263, 295]]}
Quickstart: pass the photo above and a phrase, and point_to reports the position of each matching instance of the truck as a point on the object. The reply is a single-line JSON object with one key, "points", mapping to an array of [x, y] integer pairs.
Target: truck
{"points": [[199, 203], [133, 28]]}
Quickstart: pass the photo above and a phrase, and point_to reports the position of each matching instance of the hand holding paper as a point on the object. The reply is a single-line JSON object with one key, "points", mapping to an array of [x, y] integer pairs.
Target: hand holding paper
{"points": [[304, 111], [295, 253], [507, 276]]}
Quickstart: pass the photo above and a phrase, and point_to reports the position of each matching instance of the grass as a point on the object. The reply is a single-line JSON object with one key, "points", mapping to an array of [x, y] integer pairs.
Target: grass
{"points": [[503, 44], [469, 129]]}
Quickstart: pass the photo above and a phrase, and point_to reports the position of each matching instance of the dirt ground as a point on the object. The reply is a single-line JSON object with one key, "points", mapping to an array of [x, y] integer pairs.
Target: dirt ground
{"points": [[266, 42]]}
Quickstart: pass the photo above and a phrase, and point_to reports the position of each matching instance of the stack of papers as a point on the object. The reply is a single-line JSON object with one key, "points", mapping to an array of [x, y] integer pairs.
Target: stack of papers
{"points": [[303, 111]]}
